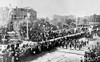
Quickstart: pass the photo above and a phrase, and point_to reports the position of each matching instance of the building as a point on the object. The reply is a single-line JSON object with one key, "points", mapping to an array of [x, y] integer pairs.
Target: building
{"points": [[20, 15], [95, 21], [82, 22], [4, 15]]}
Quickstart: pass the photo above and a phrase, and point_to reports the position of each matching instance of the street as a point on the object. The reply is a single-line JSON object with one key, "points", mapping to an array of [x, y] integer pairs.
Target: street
{"points": [[61, 54], [49, 31]]}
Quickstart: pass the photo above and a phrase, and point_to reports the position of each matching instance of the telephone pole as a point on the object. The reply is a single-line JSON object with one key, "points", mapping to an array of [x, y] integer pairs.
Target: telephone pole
{"points": [[28, 16], [76, 22]]}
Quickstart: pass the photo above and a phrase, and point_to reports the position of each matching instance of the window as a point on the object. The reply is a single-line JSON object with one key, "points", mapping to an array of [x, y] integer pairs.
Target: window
{"points": [[24, 16], [14, 17]]}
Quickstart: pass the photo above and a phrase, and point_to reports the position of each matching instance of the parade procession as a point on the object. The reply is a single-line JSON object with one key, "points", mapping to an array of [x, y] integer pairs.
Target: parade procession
{"points": [[42, 31], [13, 49]]}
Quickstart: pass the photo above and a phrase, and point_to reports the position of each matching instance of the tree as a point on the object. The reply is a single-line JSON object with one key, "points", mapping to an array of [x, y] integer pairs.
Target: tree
{"points": [[85, 21], [10, 26], [69, 21]]}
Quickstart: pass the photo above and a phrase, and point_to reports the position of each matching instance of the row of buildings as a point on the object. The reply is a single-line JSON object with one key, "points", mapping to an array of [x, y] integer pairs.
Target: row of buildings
{"points": [[92, 20], [16, 14], [89, 20]]}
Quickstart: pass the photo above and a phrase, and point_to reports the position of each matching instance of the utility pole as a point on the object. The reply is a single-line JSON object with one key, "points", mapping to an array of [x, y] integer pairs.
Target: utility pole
{"points": [[76, 22], [28, 15]]}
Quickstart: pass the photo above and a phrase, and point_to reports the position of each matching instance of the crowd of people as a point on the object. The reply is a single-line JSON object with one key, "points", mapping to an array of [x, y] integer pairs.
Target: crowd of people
{"points": [[93, 54], [75, 43], [68, 39], [28, 48]]}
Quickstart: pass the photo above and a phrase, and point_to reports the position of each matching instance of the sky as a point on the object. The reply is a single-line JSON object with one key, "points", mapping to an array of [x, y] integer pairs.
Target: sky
{"points": [[48, 8]]}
